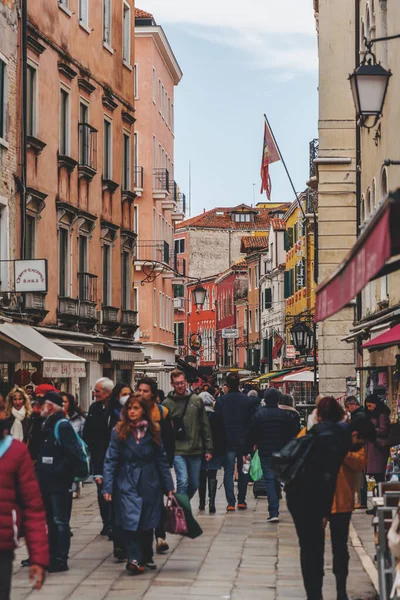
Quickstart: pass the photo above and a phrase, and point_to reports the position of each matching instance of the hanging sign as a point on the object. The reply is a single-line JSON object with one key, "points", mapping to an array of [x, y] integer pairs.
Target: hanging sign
{"points": [[30, 275]]}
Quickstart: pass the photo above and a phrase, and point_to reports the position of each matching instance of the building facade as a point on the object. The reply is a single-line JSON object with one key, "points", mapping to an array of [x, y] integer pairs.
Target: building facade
{"points": [[159, 203], [201, 327]]}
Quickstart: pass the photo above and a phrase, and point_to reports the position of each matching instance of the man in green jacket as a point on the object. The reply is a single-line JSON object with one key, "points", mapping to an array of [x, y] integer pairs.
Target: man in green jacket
{"points": [[192, 431]]}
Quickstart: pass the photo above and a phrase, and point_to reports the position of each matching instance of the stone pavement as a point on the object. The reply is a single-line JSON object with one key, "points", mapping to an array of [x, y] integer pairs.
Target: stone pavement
{"points": [[239, 557]]}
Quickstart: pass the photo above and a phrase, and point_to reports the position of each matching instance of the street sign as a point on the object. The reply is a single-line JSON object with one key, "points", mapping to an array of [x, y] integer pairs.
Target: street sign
{"points": [[230, 334], [290, 351], [30, 275]]}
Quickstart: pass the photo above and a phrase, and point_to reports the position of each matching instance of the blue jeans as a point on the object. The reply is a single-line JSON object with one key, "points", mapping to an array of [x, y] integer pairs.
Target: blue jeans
{"points": [[57, 506], [271, 487], [139, 545], [229, 469], [187, 471]]}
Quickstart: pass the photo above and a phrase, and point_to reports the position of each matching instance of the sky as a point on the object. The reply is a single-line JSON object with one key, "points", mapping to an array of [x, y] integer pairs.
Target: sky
{"points": [[240, 59]]}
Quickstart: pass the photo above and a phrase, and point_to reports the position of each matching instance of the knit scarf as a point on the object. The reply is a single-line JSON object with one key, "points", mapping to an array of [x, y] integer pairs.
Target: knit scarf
{"points": [[17, 430], [139, 430]]}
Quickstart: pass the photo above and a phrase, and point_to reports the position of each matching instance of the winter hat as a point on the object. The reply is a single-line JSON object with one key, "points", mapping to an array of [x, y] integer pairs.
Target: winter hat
{"points": [[43, 388], [53, 397], [272, 397]]}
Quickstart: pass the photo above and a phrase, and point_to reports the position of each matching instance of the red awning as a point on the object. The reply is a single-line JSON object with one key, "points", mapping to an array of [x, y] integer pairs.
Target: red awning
{"points": [[389, 338], [367, 260]]}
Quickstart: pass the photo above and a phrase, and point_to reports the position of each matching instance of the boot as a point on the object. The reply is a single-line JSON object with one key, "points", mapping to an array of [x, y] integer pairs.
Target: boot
{"points": [[202, 490], [341, 587], [212, 492]]}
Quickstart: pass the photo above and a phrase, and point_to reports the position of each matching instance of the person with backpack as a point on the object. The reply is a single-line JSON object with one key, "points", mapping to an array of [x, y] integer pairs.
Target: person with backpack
{"points": [[310, 492], [61, 457], [192, 433], [147, 388]]}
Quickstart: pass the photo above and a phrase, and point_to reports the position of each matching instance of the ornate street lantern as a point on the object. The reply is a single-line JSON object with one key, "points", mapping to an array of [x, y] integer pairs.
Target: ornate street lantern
{"points": [[302, 336], [199, 296], [369, 84]]}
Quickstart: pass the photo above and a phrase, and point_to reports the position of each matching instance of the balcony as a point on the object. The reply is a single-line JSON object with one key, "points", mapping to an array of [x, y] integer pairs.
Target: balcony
{"points": [[87, 293], [160, 184], [87, 151], [180, 304], [154, 250], [138, 181], [110, 316], [129, 321], [35, 306], [68, 309]]}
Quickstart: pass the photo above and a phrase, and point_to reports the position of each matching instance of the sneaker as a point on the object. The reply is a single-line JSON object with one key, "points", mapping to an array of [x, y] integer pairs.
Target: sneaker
{"points": [[119, 554], [161, 546], [150, 564], [58, 566], [230, 508], [242, 506], [133, 568], [26, 562], [273, 520]]}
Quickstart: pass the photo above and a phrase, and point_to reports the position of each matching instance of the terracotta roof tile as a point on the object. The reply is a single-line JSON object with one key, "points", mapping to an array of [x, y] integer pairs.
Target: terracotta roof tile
{"points": [[278, 224], [142, 14], [254, 242], [221, 218]]}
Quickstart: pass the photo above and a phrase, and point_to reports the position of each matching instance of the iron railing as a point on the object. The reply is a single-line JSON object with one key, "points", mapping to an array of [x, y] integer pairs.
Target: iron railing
{"points": [[161, 180], [159, 250], [180, 199], [87, 146], [87, 287], [314, 145], [138, 178]]}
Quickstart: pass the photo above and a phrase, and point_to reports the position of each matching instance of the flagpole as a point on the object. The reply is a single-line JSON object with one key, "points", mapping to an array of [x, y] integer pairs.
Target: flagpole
{"points": [[284, 164]]}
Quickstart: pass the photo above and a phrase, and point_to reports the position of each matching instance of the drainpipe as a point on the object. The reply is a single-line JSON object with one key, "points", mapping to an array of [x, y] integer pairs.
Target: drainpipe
{"points": [[24, 56], [358, 151]]}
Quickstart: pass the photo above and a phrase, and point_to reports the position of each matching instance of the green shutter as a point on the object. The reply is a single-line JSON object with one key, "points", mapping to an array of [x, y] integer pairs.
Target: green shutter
{"points": [[268, 298], [290, 238], [286, 285]]}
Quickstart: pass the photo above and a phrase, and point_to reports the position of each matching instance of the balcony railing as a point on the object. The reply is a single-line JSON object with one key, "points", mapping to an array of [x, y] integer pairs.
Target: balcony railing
{"points": [[87, 146], [161, 180], [180, 199], [138, 178], [159, 250], [87, 287], [180, 265]]}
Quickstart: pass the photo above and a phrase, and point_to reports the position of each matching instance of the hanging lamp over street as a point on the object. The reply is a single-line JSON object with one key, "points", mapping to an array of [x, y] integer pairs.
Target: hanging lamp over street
{"points": [[369, 84], [199, 296]]}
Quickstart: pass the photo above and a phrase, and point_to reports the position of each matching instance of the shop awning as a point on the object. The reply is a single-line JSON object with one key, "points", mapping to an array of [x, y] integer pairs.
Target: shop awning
{"points": [[273, 374], [124, 353], [306, 376], [21, 343], [376, 253], [389, 338]]}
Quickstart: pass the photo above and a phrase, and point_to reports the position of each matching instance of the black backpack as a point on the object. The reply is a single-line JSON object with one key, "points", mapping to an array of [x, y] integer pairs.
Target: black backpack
{"points": [[291, 462]]}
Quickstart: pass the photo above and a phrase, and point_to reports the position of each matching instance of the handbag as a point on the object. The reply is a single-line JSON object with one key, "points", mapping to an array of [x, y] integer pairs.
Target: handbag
{"points": [[179, 425], [175, 520]]}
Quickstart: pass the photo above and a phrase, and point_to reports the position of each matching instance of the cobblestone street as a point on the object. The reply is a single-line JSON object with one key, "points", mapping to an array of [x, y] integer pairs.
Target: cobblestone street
{"points": [[239, 557]]}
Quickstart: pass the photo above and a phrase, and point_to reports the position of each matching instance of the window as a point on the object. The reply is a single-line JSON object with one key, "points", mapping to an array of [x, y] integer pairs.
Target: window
{"points": [[84, 138], [107, 22], [3, 99], [136, 219], [154, 152], [161, 311], [136, 81], [31, 101], [107, 283], [256, 276], [126, 281], [30, 234], [245, 322], [384, 183], [4, 245], [84, 12], [172, 117], [250, 278], [155, 307], [180, 246], [179, 334], [83, 279], [154, 86], [126, 162], [126, 34], [135, 299], [63, 260], [64, 3], [242, 217], [64, 123], [107, 150], [162, 100], [179, 291], [268, 298], [250, 321], [257, 322]]}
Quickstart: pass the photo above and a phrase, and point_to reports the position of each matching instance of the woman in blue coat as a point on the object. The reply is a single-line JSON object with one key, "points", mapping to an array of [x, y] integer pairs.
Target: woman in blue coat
{"points": [[136, 473]]}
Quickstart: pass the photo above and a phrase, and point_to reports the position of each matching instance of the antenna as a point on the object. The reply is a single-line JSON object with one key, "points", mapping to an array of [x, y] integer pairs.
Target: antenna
{"points": [[254, 194], [190, 188]]}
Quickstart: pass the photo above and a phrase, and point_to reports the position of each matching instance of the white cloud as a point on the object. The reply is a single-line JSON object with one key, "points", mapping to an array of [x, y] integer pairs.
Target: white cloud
{"points": [[274, 34]]}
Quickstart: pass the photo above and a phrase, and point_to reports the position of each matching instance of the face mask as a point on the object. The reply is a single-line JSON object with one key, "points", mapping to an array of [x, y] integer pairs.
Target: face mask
{"points": [[123, 400]]}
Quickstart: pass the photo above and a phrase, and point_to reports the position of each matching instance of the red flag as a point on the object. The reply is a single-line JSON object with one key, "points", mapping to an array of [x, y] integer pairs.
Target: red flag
{"points": [[270, 155], [278, 343]]}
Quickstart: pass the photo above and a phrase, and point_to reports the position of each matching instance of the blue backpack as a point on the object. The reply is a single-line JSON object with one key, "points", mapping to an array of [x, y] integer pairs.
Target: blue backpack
{"points": [[81, 469]]}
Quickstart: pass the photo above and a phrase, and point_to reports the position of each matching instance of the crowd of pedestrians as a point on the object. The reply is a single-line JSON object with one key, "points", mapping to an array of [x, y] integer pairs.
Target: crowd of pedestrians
{"points": [[135, 437]]}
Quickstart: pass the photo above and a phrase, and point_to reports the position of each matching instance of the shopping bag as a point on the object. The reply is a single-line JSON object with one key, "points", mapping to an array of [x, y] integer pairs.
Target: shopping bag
{"points": [[175, 520], [255, 467]]}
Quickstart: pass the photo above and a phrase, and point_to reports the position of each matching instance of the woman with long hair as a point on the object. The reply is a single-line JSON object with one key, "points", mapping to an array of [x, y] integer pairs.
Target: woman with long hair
{"points": [[18, 411], [136, 473], [310, 495], [377, 452], [74, 413], [119, 396]]}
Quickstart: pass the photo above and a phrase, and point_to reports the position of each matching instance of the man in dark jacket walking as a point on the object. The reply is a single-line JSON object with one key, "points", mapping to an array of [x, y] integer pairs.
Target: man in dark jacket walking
{"points": [[96, 434], [271, 428], [20, 502], [236, 410], [59, 453]]}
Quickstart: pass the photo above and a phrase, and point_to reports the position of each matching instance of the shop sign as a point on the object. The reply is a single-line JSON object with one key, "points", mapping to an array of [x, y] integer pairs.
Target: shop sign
{"points": [[55, 369], [230, 334], [300, 274], [290, 351], [30, 275], [195, 342]]}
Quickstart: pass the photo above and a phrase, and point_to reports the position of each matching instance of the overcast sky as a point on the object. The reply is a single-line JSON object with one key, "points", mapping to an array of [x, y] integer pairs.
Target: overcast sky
{"points": [[240, 60]]}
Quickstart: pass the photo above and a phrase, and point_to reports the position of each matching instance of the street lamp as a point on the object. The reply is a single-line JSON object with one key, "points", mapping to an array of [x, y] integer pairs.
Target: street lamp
{"points": [[369, 84], [302, 336], [199, 296]]}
